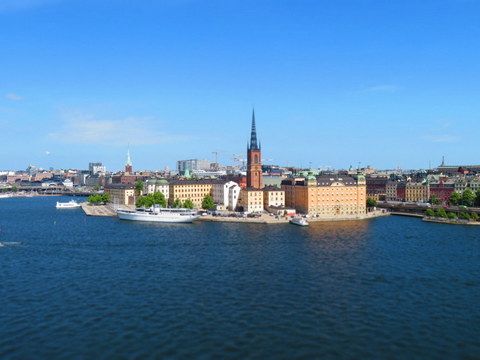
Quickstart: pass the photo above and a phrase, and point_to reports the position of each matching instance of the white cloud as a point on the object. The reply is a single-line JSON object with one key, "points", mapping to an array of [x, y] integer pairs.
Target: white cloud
{"points": [[86, 129], [13, 97]]}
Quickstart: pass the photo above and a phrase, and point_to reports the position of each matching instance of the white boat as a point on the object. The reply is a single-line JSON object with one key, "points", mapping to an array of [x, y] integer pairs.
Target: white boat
{"points": [[158, 214], [299, 221], [72, 204]]}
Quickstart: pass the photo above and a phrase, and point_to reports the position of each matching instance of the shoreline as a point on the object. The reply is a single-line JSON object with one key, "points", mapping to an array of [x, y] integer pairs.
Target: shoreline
{"points": [[107, 211], [451, 222]]}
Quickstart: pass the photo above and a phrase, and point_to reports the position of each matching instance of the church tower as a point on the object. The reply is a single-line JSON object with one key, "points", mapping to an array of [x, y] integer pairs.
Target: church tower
{"points": [[254, 159], [128, 164]]}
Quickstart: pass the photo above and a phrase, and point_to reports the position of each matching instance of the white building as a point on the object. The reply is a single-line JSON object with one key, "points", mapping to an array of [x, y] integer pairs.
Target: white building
{"points": [[152, 186], [225, 195], [96, 168], [191, 165]]}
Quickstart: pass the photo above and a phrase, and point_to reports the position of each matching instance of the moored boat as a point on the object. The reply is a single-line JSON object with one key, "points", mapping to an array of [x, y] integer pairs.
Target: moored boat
{"points": [[72, 204], [299, 221], [158, 214]]}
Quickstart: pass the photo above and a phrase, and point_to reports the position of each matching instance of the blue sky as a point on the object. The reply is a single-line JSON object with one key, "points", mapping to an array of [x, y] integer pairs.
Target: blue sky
{"points": [[334, 83]]}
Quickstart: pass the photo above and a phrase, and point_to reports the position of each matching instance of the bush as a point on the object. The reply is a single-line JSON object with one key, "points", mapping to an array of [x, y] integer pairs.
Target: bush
{"points": [[474, 216], [451, 215], [441, 213], [430, 212]]}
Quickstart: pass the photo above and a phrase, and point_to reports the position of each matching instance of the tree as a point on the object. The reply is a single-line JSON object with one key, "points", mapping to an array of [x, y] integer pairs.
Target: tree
{"points": [[441, 213], [429, 212], [177, 203], [477, 198], [208, 203], [455, 198], [451, 215], [464, 215], [151, 199], [371, 202], [468, 198], [106, 198], [139, 186], [474, 216], [434, 200], [188, 204], [96, 187], [95, 199], [159, 198]]}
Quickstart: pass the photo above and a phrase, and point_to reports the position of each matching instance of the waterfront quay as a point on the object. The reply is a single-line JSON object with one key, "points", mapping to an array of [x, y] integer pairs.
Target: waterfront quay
{"points": [[108, 211]]}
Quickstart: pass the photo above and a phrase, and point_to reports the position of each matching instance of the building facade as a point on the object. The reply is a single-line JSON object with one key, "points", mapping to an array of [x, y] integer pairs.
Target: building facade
{"points": [[225, 195], [326, 195], [195, 190], [273, 197], [121, 194], [192, 165], [417, 191], [153, 185], [251, 200]]}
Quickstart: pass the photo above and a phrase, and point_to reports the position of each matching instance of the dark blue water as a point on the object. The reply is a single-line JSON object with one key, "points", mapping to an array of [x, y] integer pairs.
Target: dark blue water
{"points": [[77, 287]]}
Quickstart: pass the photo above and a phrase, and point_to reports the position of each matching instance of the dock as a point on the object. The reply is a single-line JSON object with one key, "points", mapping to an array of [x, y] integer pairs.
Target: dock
{"points": [[98, 210]]}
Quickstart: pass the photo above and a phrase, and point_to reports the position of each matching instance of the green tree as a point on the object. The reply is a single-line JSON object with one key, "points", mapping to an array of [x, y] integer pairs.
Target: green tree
{"points": [[159, 198], [468, 198], [441, 213], [430, 212], [151, 199], [477, 198], [106, 198], [455, 198], [451, 215], [188, 204], [96, 187], [95, 199], [464, 216], [144, 201], [474, 216], [434, 200], [139, 186], [371, 202], [207, 203], [177, 203]]}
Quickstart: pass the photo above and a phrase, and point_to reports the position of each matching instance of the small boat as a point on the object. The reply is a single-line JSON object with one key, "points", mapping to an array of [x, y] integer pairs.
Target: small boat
{"points": [[158, 214], [299, 221], [72, 204]]}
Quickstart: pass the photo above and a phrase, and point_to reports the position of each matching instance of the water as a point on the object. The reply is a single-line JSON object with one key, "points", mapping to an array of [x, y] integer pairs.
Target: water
{"points": [[77, 287]]}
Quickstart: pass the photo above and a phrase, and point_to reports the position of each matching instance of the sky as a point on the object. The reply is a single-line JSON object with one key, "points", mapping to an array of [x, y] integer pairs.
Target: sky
{"points": [[386, 83]]}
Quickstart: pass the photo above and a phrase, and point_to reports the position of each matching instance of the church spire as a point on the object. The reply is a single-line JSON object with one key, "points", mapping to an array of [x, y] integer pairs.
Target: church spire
{"points": [[129, 160], [253, 135]]}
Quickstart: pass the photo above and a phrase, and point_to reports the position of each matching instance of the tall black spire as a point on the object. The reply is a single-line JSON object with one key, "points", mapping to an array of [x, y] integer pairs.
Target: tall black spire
{"points": [[253, 136]]}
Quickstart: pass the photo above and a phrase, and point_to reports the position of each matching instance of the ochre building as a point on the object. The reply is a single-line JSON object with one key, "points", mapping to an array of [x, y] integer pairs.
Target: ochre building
{"points": [[326, 195]]}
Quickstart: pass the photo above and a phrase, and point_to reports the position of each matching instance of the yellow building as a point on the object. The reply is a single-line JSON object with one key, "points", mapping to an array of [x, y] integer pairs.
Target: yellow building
{"points": [[416, 192], [121, 194], [195, 190], [251, 200], [326, 195], [273, 197]]}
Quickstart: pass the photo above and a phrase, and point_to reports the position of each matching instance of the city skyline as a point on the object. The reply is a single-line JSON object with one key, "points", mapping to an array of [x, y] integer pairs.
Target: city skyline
{"points": [[333, 84]]}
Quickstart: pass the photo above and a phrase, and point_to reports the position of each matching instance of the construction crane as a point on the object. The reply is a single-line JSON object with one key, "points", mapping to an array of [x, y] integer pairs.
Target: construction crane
{"points": [[215, 165]]}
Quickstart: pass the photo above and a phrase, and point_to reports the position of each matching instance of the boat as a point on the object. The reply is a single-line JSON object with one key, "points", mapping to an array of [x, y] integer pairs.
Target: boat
{"points": [[159, 214], [72, 204], [299, 221]]}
